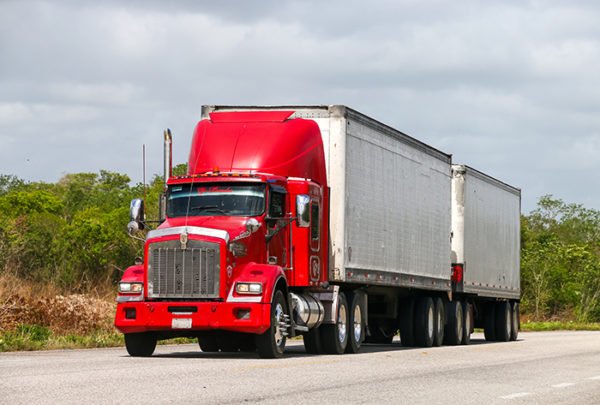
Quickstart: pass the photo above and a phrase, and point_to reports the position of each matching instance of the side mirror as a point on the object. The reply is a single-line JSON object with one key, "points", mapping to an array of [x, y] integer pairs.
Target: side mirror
{"points": [[136, 216], [303, 211]]}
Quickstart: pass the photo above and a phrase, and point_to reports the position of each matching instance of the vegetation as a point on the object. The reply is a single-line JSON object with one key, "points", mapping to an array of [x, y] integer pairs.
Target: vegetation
{"points": [[63, 247]]}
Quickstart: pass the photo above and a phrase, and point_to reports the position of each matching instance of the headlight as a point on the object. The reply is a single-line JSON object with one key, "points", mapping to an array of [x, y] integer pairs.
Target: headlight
{"points": [[131, 288], [248, 288]]}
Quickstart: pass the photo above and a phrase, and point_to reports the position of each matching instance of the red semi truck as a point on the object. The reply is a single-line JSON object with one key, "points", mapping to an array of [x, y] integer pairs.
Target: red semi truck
{"points": [[322, 222]]}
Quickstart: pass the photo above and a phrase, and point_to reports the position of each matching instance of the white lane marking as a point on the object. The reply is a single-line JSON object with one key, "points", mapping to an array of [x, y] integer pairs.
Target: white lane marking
{"points": [[563, 385], [594, 378], [516, 395]]}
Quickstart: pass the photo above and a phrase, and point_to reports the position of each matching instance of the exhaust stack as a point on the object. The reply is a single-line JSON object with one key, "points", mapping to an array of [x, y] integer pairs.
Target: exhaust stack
{"points": [[168, 169]]}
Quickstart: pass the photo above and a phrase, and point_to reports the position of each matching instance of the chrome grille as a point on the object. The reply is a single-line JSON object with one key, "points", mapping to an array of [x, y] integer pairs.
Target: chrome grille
{"points": [[184, 273]]}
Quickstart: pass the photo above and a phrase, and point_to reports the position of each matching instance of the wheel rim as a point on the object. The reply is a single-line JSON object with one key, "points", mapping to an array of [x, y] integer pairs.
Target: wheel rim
{"points": [[430, 322], [278, 320], [341, 324], [357, 324], [508, 320], [440, 321], [459, 323], [515, 319], [467, 329]]}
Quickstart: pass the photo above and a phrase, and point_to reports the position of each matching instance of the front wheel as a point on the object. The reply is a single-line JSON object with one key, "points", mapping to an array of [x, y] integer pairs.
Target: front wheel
{"points": [[271, 344], [140, 344], [334, 337]]}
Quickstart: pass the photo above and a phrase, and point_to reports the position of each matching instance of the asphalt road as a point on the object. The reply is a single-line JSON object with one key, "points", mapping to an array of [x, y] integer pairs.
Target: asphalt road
{"points": [[544, 368]]}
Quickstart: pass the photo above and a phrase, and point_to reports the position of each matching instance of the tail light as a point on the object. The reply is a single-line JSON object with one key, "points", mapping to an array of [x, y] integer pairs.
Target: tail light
{"points": [[457, 273]]}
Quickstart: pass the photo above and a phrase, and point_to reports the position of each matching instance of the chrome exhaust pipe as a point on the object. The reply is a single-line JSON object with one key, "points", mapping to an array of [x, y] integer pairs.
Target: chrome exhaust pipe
{"points": [[168, 169]]}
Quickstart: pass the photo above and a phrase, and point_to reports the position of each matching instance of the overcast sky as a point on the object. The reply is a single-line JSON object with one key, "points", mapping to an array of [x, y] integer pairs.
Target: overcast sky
{"points": [[512, 89]]}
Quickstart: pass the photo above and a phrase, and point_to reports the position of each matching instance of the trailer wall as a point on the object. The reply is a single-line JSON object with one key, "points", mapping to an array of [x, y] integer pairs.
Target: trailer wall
{"points": [[486, 233]]}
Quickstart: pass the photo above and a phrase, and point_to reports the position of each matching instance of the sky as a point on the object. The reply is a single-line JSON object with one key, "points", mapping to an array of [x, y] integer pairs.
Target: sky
{"points": [[511, 88]]}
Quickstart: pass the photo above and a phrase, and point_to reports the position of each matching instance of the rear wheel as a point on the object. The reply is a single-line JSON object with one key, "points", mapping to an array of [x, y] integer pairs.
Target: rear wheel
{"points": [[356, 332], [454, 327], [424, 322], [514, 330], [407, 322], [489, 322], [271, 344], [440, 321], [334, 337], [468, 322], [503, 321], [140, 344]]}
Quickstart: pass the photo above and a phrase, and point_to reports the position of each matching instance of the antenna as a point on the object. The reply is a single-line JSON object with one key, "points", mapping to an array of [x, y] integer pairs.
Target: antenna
{"points": [[144, 169]]}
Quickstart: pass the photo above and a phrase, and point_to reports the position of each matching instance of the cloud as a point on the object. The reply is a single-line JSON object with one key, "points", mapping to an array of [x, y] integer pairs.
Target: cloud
{"points": [[509, 87]]}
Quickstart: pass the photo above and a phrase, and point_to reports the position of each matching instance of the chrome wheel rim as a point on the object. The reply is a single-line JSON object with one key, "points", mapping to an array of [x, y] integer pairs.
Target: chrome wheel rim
{"points": [[357, 323], [341, 324], [278, 319], [430, 322], [508, 320], [459, 319]]}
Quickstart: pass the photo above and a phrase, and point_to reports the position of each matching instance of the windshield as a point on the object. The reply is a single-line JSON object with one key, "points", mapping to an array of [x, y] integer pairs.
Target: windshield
{"points": [[211, 199]]}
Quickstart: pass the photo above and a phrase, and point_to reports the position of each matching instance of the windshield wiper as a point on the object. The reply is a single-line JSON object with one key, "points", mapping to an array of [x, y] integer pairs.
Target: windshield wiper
{"points": [[208, 208]]}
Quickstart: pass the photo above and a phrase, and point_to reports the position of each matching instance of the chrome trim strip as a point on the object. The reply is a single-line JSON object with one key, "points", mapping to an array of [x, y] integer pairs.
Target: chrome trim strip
{"points": [[130, 298], [194, 230]]}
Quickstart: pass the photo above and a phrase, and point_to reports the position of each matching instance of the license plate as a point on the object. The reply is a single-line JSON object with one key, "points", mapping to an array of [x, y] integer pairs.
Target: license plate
{"points": [[181, 323]]}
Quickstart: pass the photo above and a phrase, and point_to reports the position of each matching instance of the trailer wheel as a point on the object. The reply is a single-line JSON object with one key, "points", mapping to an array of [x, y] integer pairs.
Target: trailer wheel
{"points": [[468, 322], [489, 322], [271, 344], [503, 321], [140, 344], [516, 318], [425, 322], [407, 322], [208, 343], [334, 337], [454, 326], [440, 321], [356, 323]]}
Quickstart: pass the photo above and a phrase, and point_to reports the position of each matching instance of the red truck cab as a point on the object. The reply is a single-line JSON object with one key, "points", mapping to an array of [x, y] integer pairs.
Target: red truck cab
{"points": [[244, 227]]}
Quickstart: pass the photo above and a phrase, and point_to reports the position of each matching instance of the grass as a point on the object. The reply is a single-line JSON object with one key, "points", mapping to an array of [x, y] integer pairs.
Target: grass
{"points": [[534, 326]]}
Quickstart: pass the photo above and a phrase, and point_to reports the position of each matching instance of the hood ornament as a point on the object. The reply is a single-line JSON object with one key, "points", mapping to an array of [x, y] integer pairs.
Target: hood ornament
{"points": [[183, 239]]}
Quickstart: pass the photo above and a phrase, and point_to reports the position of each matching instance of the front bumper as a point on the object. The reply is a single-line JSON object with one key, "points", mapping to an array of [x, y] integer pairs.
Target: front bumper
{"points": [[158, 316]]}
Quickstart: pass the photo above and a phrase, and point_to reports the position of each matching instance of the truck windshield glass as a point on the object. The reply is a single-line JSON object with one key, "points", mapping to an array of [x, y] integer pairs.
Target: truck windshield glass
{"points": [[215, 199]]}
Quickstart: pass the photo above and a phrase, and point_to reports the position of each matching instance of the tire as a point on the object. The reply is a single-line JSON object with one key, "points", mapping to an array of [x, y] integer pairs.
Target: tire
{"points": [[467, 322], [407, 322], [424, 322], [503, 321], [453, 334], [440, 321], [271, 344], [356, 324], [208, 343], [140, 344], [489, 322], [381, 332], [516, 321], [334, 337]]}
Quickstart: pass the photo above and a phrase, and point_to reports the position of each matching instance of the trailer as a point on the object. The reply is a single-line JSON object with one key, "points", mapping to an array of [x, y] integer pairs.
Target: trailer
{"points": [[322, 222]]}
